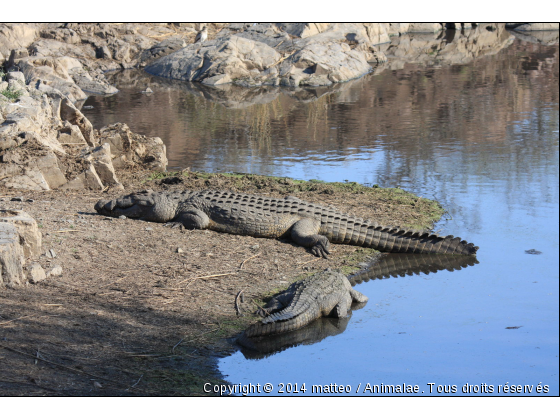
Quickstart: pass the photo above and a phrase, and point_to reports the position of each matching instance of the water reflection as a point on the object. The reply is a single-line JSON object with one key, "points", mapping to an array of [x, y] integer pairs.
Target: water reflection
{"points": [[401, 265], [263, 347]]}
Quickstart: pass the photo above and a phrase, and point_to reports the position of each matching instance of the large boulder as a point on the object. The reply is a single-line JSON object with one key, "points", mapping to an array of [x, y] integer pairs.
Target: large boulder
{"points": [[28, 231], [16, 35], [221, 60], [20, 239]]}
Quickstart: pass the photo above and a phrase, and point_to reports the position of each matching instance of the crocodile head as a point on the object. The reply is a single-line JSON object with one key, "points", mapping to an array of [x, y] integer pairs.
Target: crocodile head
{"points": [[145, 205]]}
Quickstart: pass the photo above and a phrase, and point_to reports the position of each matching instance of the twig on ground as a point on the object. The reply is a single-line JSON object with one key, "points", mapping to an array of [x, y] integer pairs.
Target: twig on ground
{"points": [[256, 255], [136, 383], [15, 319], [306, 262], [237, 308], [205, 277]]}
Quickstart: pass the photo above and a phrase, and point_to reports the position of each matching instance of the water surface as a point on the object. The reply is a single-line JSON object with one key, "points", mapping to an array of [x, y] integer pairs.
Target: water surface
{"points": [[476, 129]]}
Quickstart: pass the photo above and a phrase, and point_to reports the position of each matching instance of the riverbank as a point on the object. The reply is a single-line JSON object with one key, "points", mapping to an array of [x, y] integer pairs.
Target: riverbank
{"points": [[142, 304]]}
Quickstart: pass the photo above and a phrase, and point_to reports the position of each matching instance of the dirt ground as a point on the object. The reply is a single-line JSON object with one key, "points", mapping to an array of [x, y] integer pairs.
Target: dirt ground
{"points": [[144, 309]]}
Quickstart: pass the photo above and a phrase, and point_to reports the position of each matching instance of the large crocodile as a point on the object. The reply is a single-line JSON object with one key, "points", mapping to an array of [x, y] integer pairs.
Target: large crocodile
{"points": [[324, 294], [308, 224]]}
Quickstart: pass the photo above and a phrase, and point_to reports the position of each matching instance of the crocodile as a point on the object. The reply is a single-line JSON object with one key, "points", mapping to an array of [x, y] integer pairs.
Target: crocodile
{"points": [[319, 295], [309, 225], [323, 294]]}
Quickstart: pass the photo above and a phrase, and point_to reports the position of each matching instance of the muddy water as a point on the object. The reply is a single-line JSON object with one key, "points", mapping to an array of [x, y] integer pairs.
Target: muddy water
{"points": [[477, 131]]}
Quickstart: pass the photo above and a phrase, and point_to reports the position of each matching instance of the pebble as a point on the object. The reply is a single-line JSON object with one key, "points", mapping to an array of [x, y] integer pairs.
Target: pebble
{"points": [[50, 253], [122, 217], [16, 199], [180, 250], [148, 228], [30, 200]]}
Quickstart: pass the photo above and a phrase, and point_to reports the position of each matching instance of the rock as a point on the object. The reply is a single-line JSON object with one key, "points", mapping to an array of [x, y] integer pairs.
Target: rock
{"points": [[88, 179], [50, 253], [96, 84], [534, 26], [74, 116], [70, 134], [16, 199], [232, 55], [11, 256], [54, 271], [180, 250], [28, 231], [148, 90], [16, 35], [122, 217], [129, 148], [35, 273], [165, 47], [17, 76], [101, 159], [538, 37], [425, 27]]}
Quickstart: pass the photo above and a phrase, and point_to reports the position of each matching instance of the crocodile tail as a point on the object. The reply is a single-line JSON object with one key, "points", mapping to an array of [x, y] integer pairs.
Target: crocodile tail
{"points": [[396, 239]]}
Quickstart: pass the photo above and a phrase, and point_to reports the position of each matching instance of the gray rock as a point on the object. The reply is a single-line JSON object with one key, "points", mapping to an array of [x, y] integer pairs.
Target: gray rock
{"points": [[11, 256], [54, 271], [27, 228], [17, 76], [35, 273]]}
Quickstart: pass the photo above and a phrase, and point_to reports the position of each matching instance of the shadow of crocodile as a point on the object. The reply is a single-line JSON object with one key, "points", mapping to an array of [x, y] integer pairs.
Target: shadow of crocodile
{"points": [[387, 266]]}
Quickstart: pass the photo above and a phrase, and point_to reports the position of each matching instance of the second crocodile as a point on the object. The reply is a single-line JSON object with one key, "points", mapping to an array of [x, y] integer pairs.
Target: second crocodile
{"points": [[324, 294]]}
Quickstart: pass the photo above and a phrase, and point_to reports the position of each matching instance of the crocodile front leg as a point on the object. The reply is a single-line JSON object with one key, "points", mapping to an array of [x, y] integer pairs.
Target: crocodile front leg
{"points": [[305, 232], [193, 218]]}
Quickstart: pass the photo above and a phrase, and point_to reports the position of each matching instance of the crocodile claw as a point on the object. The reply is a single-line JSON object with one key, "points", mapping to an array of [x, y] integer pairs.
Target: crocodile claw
{"points": [[321, 250]]}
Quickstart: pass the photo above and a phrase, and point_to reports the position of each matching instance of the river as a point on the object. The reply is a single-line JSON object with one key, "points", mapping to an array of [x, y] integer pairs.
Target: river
{"points": [[476, 130]]}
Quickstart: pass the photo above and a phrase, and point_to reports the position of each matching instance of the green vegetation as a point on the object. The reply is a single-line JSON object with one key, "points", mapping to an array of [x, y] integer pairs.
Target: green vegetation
{"points": [[11, 95]]}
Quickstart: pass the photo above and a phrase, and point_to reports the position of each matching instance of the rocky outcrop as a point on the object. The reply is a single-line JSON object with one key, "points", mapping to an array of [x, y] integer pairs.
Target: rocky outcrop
{"points": [[290, 54], [278, 54], [47, 143]]}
